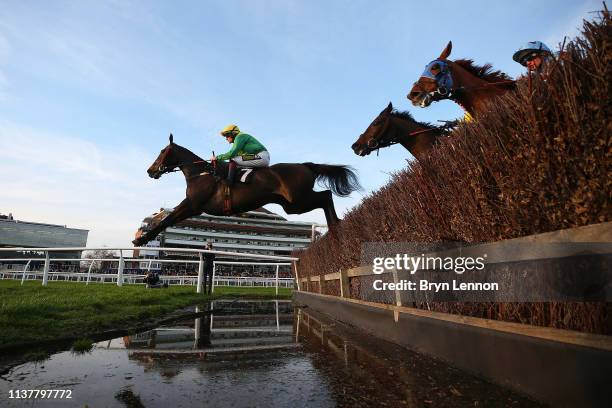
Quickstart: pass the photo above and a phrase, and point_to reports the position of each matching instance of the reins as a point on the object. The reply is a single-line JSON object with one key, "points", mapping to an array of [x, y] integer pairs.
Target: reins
{"points": [[395, 140], [177, 167], [450, 93]]}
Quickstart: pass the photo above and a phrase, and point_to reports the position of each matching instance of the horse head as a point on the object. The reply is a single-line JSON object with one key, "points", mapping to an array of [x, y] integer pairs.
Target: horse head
{"points": [[467, 84], [174, 156], [372, 138], [435, 82], [165, 162]]}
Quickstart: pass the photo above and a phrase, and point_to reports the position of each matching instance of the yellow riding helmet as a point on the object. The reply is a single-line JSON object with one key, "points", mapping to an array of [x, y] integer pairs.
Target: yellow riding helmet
{"points": [[230, 130]]}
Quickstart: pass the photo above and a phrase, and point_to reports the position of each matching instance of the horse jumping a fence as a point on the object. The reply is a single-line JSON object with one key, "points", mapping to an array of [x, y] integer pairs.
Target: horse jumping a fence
{"points": [[461, 81], [392, 127], [288, 184]]}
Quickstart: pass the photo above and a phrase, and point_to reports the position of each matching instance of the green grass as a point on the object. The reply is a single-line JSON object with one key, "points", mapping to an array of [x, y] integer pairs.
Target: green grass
{"points": [[32, 312], [82, 346]]}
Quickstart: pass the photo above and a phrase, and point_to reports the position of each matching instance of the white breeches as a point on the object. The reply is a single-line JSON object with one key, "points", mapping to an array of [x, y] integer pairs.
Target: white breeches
{"points": [[261, 159]]}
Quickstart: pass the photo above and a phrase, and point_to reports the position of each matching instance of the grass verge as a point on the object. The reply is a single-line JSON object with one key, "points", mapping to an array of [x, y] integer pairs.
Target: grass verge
{"points": [[35, 313]]}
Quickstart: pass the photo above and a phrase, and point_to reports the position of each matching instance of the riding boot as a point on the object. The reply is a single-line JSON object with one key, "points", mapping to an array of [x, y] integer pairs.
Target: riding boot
{"points": [[231, 172]]}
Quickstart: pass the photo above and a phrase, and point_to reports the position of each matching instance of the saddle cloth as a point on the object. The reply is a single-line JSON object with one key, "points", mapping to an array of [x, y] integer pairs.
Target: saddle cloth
{"points": [[243, 174]]}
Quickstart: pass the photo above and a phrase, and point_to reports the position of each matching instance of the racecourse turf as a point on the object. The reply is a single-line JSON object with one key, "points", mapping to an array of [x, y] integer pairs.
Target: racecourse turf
{"points": [[33, 313]]}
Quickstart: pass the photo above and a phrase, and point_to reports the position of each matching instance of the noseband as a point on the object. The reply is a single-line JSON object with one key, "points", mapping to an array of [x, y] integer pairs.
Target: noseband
{"points": [[378, 143]]}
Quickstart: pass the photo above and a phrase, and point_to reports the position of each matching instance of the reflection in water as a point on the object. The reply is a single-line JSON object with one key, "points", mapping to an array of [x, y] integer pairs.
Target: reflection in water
{"points": [[249, 354], [232, 326]]}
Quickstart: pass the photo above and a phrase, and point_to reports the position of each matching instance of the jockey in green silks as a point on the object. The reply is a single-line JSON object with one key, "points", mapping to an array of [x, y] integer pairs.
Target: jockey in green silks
{"points": [[246, 151]]}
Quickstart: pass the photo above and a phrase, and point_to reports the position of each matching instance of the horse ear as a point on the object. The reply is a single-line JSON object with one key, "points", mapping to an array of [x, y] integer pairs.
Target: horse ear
{"points": [[387, 110], [171, 138], [446, 51]]}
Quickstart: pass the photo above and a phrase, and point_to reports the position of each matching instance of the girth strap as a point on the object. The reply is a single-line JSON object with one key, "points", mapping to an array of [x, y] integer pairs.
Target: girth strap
{"points": [[227, 200]]}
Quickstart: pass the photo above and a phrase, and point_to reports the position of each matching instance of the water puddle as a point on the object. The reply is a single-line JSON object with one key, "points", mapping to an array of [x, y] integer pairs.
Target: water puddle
{"points": [[241, 353]]}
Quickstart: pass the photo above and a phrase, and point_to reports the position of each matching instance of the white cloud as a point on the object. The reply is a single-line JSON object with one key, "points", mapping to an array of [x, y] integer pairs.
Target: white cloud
{"points": [[64, 180], [63, 154]]}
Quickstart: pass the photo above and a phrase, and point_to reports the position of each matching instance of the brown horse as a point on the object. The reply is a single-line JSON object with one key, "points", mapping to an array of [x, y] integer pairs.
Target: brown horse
{"points": [[391, 127], [461, 81], [289, 185]]}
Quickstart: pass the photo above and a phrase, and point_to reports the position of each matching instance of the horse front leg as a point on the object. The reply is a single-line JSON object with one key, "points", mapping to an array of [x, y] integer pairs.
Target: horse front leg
{"points": [[182, 211]]}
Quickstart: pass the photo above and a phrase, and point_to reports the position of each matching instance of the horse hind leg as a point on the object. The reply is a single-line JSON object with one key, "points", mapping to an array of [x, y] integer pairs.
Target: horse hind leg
{"points": [[327, 203]]}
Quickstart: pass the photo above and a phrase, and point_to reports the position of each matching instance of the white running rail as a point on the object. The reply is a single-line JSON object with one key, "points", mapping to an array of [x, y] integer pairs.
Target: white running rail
{"points": [[119, 278]]}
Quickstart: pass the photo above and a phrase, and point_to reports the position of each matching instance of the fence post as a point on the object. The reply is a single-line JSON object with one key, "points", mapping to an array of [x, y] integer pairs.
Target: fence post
{"points": [[297, 277], [277, 266], [25, 271], [197, 327], [398, 297], [120, 269], [93, 261], [277, 319], [46, 269], [212, 281], [200, 273], [345, 290]]}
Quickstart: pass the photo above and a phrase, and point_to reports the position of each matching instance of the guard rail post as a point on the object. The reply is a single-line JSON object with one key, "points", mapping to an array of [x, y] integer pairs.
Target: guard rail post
{"points": [[120, 269], [277, 266], [200, 273], [212, 281], [93, 261], [25, 270], [46, 269]]}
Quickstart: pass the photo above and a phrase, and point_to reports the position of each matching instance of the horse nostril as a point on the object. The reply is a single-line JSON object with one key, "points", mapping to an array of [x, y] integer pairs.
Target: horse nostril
{"points": [[413, 95]]}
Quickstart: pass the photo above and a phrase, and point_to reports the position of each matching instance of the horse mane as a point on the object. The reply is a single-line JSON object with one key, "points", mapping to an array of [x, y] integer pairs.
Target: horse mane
{"points": [[188, 151], [408, 116], [484, 72]]}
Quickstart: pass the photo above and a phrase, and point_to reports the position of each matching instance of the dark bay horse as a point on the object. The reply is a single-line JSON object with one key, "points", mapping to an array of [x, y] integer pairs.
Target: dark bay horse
{"points": [[461, 81], [391, 127], [289, 185]]}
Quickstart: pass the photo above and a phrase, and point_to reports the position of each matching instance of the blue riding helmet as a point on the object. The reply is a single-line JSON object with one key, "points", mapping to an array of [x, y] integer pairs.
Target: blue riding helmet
{"points": [[531, 48], [443, 79]]}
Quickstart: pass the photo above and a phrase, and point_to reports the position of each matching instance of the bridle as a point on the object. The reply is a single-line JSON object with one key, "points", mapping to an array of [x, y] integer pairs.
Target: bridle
{"points": [[445, 88], [379, 143], [163, 169]]}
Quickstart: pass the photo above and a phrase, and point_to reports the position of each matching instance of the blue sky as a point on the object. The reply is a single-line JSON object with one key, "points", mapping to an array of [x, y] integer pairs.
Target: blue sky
{"points": [[90, 90]]}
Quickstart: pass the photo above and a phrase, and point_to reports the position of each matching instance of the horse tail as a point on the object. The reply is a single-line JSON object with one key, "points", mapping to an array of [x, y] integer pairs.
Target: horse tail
{"points": [[341, 180]]}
